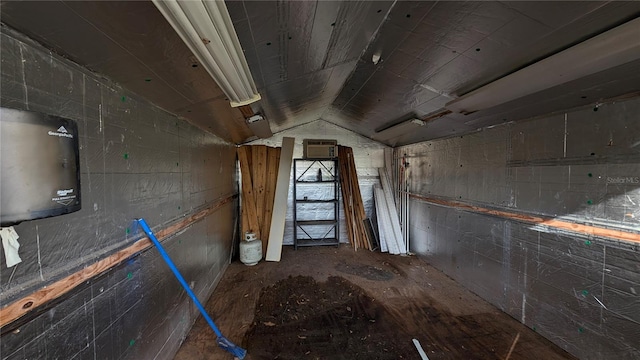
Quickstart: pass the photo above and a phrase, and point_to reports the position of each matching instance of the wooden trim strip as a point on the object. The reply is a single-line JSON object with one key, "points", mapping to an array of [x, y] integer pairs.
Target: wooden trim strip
{"points": [[50, 292], [538, 220], [436, 116], [246, 111]]}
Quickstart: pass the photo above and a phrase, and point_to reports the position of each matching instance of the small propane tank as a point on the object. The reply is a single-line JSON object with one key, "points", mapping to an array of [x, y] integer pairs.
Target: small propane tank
{"points": [[250, 249]]}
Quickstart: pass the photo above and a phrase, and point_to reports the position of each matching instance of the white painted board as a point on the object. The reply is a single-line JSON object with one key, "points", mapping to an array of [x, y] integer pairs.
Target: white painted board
{"points": [[383, 222], [393, 213]]}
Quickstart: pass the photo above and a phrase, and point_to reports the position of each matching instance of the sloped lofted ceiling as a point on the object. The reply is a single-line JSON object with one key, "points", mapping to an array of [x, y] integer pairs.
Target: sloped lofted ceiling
{"points": [[314, 59]]}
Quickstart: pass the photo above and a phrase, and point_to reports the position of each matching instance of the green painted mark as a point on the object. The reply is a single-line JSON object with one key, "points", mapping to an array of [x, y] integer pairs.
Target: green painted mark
{"points": [[129, 275], [147, 80], [590, 175], [588, 242], [126, 156], [123, 98], [127, 231], [590, 202], [132, 341], [585, 292], [534, 328], [178, 207], [580, 330]]}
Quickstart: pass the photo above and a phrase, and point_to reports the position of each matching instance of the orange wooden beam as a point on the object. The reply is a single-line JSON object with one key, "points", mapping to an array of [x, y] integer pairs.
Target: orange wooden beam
{"points": [[50, 292], [538, 220]]}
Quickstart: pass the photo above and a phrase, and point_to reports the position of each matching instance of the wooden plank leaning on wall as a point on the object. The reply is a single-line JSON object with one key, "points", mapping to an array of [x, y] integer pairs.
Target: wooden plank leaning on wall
{"points": [[273, 160], [259, 179], [249, 210], [276, 233], [259, 168], [352, 199]]}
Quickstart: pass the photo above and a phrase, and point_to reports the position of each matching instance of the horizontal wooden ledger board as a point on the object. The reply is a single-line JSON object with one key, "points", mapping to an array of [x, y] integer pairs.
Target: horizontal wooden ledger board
{"points": [[538, 220], [50, 292]]}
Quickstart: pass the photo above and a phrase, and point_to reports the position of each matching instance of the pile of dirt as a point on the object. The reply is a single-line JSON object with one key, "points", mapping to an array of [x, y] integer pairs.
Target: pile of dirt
{"points": [[300, 318]]}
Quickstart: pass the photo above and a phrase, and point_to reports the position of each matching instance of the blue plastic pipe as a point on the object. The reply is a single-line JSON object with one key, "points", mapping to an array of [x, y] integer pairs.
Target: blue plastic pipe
{"points": [[223, 342]]}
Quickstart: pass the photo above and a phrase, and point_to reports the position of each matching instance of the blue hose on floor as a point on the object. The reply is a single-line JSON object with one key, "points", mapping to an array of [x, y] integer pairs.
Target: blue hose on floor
{"points": [[223, 342]]}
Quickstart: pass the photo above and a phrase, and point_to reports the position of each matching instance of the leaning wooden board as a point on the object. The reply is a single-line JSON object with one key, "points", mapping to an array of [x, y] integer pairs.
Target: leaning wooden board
{"points": [[259, 181], [345, 187], [352, 199], [273, 158], [244, 225], [248, 197], [357, 202], [276, 233]]}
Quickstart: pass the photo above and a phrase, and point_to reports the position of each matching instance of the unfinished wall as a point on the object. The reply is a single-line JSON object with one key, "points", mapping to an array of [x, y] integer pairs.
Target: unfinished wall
{"points": [[136, 161], [368, 156], [580, 167]]}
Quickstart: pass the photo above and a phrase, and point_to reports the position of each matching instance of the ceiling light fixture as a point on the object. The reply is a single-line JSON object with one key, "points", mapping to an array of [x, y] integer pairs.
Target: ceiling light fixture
{"points": [[206, 27], [260, 126], [612, 48], [376, 58], [397, 130]]}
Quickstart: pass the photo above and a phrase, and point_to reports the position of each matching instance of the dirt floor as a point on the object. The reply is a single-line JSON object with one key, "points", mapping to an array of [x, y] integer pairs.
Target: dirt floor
{"points": [[334, 303]]}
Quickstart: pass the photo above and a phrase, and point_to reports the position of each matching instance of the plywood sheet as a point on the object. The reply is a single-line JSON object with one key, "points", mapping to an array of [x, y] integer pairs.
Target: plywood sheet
{"points": [[273, 159], [276, 233], [248, 197]]}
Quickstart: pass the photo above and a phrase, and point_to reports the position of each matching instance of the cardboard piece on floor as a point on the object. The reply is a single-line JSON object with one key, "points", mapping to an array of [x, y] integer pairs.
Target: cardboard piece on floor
{"points": [[276, 233]]}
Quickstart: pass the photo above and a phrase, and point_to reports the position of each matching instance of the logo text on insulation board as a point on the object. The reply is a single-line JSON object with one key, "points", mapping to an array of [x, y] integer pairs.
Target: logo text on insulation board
{"points": [[61, 132], [623, 180], [64, 197]]}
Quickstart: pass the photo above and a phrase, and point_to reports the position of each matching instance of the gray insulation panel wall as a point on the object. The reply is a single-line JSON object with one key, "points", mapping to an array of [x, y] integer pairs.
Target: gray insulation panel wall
{"points": [[580, 291], [368, 157], [136, 161]]}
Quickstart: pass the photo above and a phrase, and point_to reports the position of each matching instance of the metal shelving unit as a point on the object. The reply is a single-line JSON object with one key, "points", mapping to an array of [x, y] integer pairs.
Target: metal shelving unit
{"points": [[316, 202]]}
